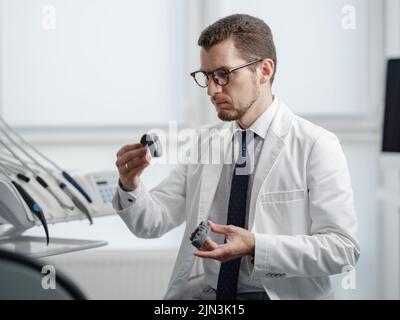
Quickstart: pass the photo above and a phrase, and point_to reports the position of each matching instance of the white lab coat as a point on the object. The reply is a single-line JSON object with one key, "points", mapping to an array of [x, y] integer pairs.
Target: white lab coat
{"points": [[301, 210]]}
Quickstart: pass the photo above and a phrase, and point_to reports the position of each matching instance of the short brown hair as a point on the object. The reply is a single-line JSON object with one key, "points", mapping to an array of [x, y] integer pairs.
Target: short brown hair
{"points": [[252, 37]]}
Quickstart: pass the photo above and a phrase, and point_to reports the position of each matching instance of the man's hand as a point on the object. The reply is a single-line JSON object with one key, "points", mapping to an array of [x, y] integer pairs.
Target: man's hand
{"points": [[239, 242], [132, 159]]}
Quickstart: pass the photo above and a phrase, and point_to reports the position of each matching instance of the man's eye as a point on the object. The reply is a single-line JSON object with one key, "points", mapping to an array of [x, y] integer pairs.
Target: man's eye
{"points": [[220, 74]]}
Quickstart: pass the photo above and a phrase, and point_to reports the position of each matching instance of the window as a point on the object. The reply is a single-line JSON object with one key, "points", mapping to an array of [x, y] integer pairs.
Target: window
{"points": [[116, 63], [91, 63]]}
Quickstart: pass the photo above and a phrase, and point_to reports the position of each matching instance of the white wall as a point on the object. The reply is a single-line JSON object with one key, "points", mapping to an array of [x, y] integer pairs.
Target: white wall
{"points": [[85, 63]]}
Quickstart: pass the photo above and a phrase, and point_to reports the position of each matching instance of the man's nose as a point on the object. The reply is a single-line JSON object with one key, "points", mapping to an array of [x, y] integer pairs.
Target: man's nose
{"points": [[213, 88]]}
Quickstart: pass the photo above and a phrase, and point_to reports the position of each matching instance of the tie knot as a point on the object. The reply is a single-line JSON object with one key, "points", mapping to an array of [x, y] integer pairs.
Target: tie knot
{"points": [[244, 143], [246, 137]]}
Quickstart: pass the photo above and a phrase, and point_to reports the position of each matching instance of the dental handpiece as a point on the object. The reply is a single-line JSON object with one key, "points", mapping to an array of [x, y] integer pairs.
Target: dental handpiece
{"points": [[78, 203], [64, 173], [31, 203], [39, 179]]}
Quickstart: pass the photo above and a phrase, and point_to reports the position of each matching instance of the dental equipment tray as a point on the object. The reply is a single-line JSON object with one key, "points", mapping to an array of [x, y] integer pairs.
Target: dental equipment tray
{"points": [[36, 246]]}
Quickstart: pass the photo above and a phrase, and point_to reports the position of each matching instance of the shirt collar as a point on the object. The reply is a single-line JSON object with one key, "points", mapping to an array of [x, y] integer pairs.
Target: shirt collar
{"points": [[262, 124]]}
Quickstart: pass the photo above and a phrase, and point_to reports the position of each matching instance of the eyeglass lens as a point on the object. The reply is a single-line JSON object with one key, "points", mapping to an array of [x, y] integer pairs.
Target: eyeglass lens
{"points": [[219, 76]]}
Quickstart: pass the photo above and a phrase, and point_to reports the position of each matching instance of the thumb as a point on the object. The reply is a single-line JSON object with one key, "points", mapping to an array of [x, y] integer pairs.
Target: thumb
{"points": [[218, 228]]}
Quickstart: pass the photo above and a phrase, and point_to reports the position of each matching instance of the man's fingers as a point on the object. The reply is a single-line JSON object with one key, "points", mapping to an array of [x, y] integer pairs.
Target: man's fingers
{"points": [[137, 170], [130, 155], [216, 254], [219, 228], [132, 166], [131, 160], [135, 163], [129, 147], [219, 254], [209, 244], [131, 152]]}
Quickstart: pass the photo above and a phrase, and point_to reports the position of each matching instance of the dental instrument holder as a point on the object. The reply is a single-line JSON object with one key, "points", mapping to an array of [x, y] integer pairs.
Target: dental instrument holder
{"points": [[18, 223], [16, 218]]}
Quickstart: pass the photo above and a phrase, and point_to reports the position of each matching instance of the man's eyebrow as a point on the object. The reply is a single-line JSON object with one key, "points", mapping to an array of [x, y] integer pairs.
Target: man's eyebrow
{"points": [[219, 68]]}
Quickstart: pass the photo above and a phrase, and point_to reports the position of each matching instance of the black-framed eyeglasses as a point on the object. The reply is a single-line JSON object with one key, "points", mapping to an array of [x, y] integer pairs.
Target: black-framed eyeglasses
{"points": [[220, 75]]}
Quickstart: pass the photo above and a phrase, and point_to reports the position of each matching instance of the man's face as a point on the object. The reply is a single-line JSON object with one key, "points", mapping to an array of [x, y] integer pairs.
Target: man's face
{"points": [[235, 99]]}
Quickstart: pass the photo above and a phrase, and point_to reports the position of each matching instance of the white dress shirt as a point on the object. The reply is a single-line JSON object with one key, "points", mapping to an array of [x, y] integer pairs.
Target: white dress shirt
{"points": [[219, 207]]}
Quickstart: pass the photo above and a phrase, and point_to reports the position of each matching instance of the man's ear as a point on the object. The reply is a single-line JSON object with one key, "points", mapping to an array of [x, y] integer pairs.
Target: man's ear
{"points": [[267, 70]]}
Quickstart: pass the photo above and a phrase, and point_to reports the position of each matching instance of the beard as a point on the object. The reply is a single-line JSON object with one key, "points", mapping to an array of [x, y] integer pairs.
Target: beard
{"points": [[237, 113], [231, 115]]}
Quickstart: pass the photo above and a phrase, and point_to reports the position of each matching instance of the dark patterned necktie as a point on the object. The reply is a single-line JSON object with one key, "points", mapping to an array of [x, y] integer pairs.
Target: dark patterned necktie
{"points": [[229, 271]]}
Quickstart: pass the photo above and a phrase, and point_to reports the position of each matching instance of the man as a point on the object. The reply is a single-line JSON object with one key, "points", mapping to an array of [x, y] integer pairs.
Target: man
{"points": [[281, 214]]}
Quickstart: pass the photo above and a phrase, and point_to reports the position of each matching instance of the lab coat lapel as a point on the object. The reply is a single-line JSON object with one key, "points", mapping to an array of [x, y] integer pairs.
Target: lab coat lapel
{"points": [[212, 171], [272, 147]]}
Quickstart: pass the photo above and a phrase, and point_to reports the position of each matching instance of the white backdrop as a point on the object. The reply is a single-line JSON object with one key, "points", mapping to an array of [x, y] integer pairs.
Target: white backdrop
{"points": [[120, 63], [322, 51], [91, 63]]}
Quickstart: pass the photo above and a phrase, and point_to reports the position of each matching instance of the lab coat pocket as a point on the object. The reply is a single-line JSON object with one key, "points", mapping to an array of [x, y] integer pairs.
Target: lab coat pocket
{"points": [[285, 212], [282, 196]]}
